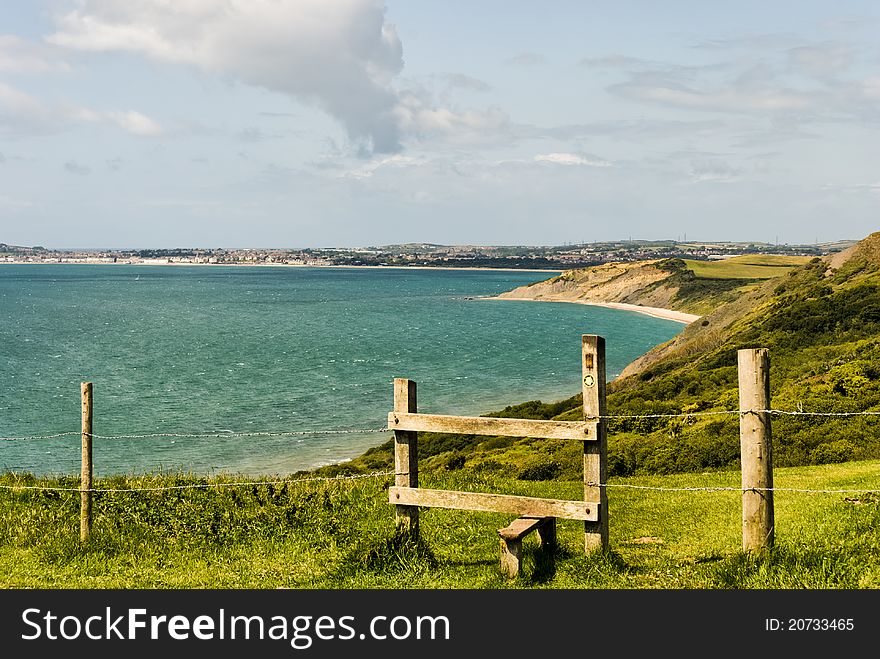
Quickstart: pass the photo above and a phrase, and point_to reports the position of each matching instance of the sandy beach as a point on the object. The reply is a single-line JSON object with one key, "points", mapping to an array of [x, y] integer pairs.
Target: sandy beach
{"points": [[656, 312]]}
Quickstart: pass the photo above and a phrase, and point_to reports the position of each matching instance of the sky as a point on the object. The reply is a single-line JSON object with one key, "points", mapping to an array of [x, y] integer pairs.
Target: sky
{"points": [[320, 123]]}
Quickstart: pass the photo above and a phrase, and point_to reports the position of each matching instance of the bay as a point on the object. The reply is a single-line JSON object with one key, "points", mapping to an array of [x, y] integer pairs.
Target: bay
{"points": [[204, 349]]}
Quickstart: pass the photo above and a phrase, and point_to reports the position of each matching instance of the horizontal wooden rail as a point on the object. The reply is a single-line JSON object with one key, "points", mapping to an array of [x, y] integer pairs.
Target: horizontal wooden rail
{"points": [[498, 503], [481, 425]]}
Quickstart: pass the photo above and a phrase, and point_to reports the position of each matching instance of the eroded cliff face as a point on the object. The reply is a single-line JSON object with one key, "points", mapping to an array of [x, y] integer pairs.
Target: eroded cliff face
{"points": [[631, 283]]}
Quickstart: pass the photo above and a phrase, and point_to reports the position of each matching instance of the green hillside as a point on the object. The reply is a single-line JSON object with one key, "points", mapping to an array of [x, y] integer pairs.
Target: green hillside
{"points": [[821, 323], [748, 266]]}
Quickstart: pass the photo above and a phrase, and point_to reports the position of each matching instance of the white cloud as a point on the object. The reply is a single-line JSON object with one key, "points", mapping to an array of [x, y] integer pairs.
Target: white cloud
{"points": [[527, 60], [417, 115], [791, 78], [340, 56], [76, 168], [21, 112], [571, 159], [130, 121], [713, 170], [15, 103], [613, 62], [367, 170], [19, 55], [719, 100], [820, 61], [871, 87], [135, 123], [873, 188], [462, 81], [15, 204]]}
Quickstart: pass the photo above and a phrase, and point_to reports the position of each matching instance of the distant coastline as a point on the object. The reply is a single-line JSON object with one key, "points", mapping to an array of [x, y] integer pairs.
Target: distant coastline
{"points": [[284, 265]]}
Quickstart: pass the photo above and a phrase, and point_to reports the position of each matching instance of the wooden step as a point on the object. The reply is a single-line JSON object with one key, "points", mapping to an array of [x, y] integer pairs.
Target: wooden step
{"points": [[511, 540]]}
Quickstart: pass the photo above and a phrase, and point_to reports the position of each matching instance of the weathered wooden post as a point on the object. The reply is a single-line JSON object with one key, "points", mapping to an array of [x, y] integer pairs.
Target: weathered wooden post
{"points": [[406, 455], [755, 448], [595, 453], [85, 508]]}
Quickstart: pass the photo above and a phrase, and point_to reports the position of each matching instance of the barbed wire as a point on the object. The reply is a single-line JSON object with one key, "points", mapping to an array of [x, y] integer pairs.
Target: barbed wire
{"points": [[194, 486], [712, 488], [266, 433], [830, 414], [675, 415], [29, 437], [376, 474], [772, 412], [217, 434]]}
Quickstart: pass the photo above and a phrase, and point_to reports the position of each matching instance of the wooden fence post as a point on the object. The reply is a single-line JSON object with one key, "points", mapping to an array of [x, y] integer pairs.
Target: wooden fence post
{"points": [[85, 509], [595, 453], [406, 455], [755, 449]]}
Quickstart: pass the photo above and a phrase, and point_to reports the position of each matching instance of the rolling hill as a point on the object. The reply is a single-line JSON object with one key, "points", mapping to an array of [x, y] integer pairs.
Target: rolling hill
{"points": [[820, 320], [695, 287]]}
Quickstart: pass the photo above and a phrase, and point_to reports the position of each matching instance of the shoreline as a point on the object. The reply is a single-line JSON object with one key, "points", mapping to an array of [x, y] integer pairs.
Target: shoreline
{"points": [[655, 312], [291, 265]]}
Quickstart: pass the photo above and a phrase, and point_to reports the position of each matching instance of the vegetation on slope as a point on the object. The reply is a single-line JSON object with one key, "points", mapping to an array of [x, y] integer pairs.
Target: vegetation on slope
{"points": [[822, 326], [683, 285]]}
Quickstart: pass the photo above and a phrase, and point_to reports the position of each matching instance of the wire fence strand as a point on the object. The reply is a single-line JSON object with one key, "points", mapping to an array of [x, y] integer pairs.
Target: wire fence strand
{"points": [[712, 488], [30, 437], [233, 434], [215, 434], [772, 412], [195, 486], [219, 434]]}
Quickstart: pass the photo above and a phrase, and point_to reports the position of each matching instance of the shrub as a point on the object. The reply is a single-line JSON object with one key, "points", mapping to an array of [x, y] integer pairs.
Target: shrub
{"points": [[839, 451], [539, 471]]}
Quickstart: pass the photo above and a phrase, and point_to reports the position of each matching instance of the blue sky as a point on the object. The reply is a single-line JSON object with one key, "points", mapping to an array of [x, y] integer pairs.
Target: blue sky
{"points": [[297, 123]]}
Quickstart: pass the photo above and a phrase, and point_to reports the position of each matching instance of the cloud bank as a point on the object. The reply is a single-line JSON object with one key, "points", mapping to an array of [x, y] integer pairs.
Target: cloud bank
{"points": [[340, 56]]}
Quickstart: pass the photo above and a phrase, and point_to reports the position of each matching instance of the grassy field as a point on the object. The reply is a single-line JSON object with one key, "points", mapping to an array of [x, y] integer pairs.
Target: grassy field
{"points": [[748, 266], [340, 534]]}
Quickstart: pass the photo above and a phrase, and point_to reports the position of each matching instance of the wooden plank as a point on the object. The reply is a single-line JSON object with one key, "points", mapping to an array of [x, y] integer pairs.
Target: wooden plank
{"points": [[595, 453], [499, 503], [406, 454], [755, 449], [480, 425], [520, 528]]}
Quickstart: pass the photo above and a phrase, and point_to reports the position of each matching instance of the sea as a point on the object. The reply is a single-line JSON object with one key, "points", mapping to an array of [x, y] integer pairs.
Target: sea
{"points": [[223, 350]]}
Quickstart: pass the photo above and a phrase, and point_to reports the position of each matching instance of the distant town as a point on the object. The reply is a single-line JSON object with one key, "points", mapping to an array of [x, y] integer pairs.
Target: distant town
{"points": [[423, 254]]}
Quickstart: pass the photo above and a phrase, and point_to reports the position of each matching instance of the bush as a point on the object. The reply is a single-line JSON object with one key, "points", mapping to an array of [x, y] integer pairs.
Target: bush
{"points": [[454, 461], [539, 471], [839, 451]]}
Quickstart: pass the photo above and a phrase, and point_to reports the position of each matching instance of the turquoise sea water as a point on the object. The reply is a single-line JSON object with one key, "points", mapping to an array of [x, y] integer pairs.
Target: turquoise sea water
{"points": [[181, 349]]}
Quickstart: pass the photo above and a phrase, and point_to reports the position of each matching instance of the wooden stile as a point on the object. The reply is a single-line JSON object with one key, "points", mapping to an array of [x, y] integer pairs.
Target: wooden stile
{"points": [[595, 453], [85, 509], [480, 425], [497, 503], [521, 527], [406, 495], [755, 449], [512, 536], [406, 455]]}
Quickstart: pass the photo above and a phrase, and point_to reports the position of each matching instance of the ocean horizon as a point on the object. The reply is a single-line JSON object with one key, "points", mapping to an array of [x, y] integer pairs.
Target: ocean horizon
{"points": [[225, 349]]}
